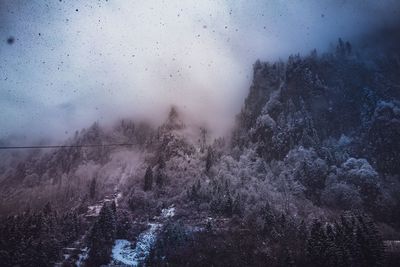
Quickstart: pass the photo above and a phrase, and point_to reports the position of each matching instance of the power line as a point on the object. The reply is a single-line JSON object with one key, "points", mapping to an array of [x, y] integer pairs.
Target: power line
{"points": [[62, 146]]}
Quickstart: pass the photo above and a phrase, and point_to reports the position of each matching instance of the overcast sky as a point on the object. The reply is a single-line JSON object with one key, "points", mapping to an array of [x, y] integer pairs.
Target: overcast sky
{"points": [[65, 64]]}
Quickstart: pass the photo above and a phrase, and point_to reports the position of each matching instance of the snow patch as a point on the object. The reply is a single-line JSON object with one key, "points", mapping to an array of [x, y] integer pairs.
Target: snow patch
{"points": [[168, 213], [117, 198], [124, 253], [94, 210], [82, 257]]}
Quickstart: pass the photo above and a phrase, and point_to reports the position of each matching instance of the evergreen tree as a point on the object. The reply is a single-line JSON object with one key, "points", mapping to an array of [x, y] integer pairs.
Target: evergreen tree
{"points": [[352, 241], [343, 242], [113, 207], [287, 259], [209, 158], [228, 204], [47, 209], [370, 242], [123, 224], [92, 188], [161, 162], [317, 245], [101, 237], [269, 219], [148, 179], [160, 174], [35, 238], [237, 206], [159, 178], [203, 139], [302, 231]]}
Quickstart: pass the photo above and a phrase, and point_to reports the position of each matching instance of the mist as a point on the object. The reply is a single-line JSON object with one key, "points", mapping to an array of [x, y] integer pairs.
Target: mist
{"points": [[66, 64]]}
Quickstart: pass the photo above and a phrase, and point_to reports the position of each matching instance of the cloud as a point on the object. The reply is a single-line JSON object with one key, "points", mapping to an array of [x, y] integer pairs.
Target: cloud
{"points": [[74, 62]]}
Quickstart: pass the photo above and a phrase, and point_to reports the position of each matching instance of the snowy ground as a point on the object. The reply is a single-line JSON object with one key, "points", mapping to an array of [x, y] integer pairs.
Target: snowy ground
{"points": [[168, 213], [94, 210], [82, 257], [124, 253]]}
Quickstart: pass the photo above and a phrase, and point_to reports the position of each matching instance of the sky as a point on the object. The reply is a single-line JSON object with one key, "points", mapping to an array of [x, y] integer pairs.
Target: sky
{"points": [[67, 63]]}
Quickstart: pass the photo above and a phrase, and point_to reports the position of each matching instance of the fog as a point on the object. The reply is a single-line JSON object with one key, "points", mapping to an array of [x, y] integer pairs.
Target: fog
{"points": [[65, 64]]}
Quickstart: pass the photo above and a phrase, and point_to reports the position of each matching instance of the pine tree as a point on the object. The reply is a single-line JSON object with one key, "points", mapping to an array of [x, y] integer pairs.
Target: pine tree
{"points": [[237, 206], [302, 231], [101, 237], [148, 179], [317, 245], [342, 244], [269, 219], [331, 249], [47, 209], [113, 207], [203, 139], [5, 258], [228, 204], [160, 174], [92, 188], [161, 162], [287, 259], [159, 178], [209, 159], [370, 242], [123, 224]]}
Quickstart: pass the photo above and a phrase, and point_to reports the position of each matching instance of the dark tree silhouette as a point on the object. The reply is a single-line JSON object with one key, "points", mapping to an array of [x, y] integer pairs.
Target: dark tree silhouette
{"points": [[101, 237], [148, 179], [92, 188], [209, 158]]}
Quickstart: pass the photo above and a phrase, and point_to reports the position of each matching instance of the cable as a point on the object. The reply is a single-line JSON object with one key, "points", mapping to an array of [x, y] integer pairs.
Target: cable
{"points": [[61, 146]]}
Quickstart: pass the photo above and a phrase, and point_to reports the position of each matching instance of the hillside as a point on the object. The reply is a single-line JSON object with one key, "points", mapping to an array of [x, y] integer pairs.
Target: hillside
{"points": [[310, 169]]}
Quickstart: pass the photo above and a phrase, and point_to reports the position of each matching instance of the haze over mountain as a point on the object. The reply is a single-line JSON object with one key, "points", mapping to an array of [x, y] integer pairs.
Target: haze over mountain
{"points": [[71, 62]]}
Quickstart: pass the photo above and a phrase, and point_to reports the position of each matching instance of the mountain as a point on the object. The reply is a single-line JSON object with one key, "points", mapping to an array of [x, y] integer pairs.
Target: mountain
{"points": [[309, 177]]}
